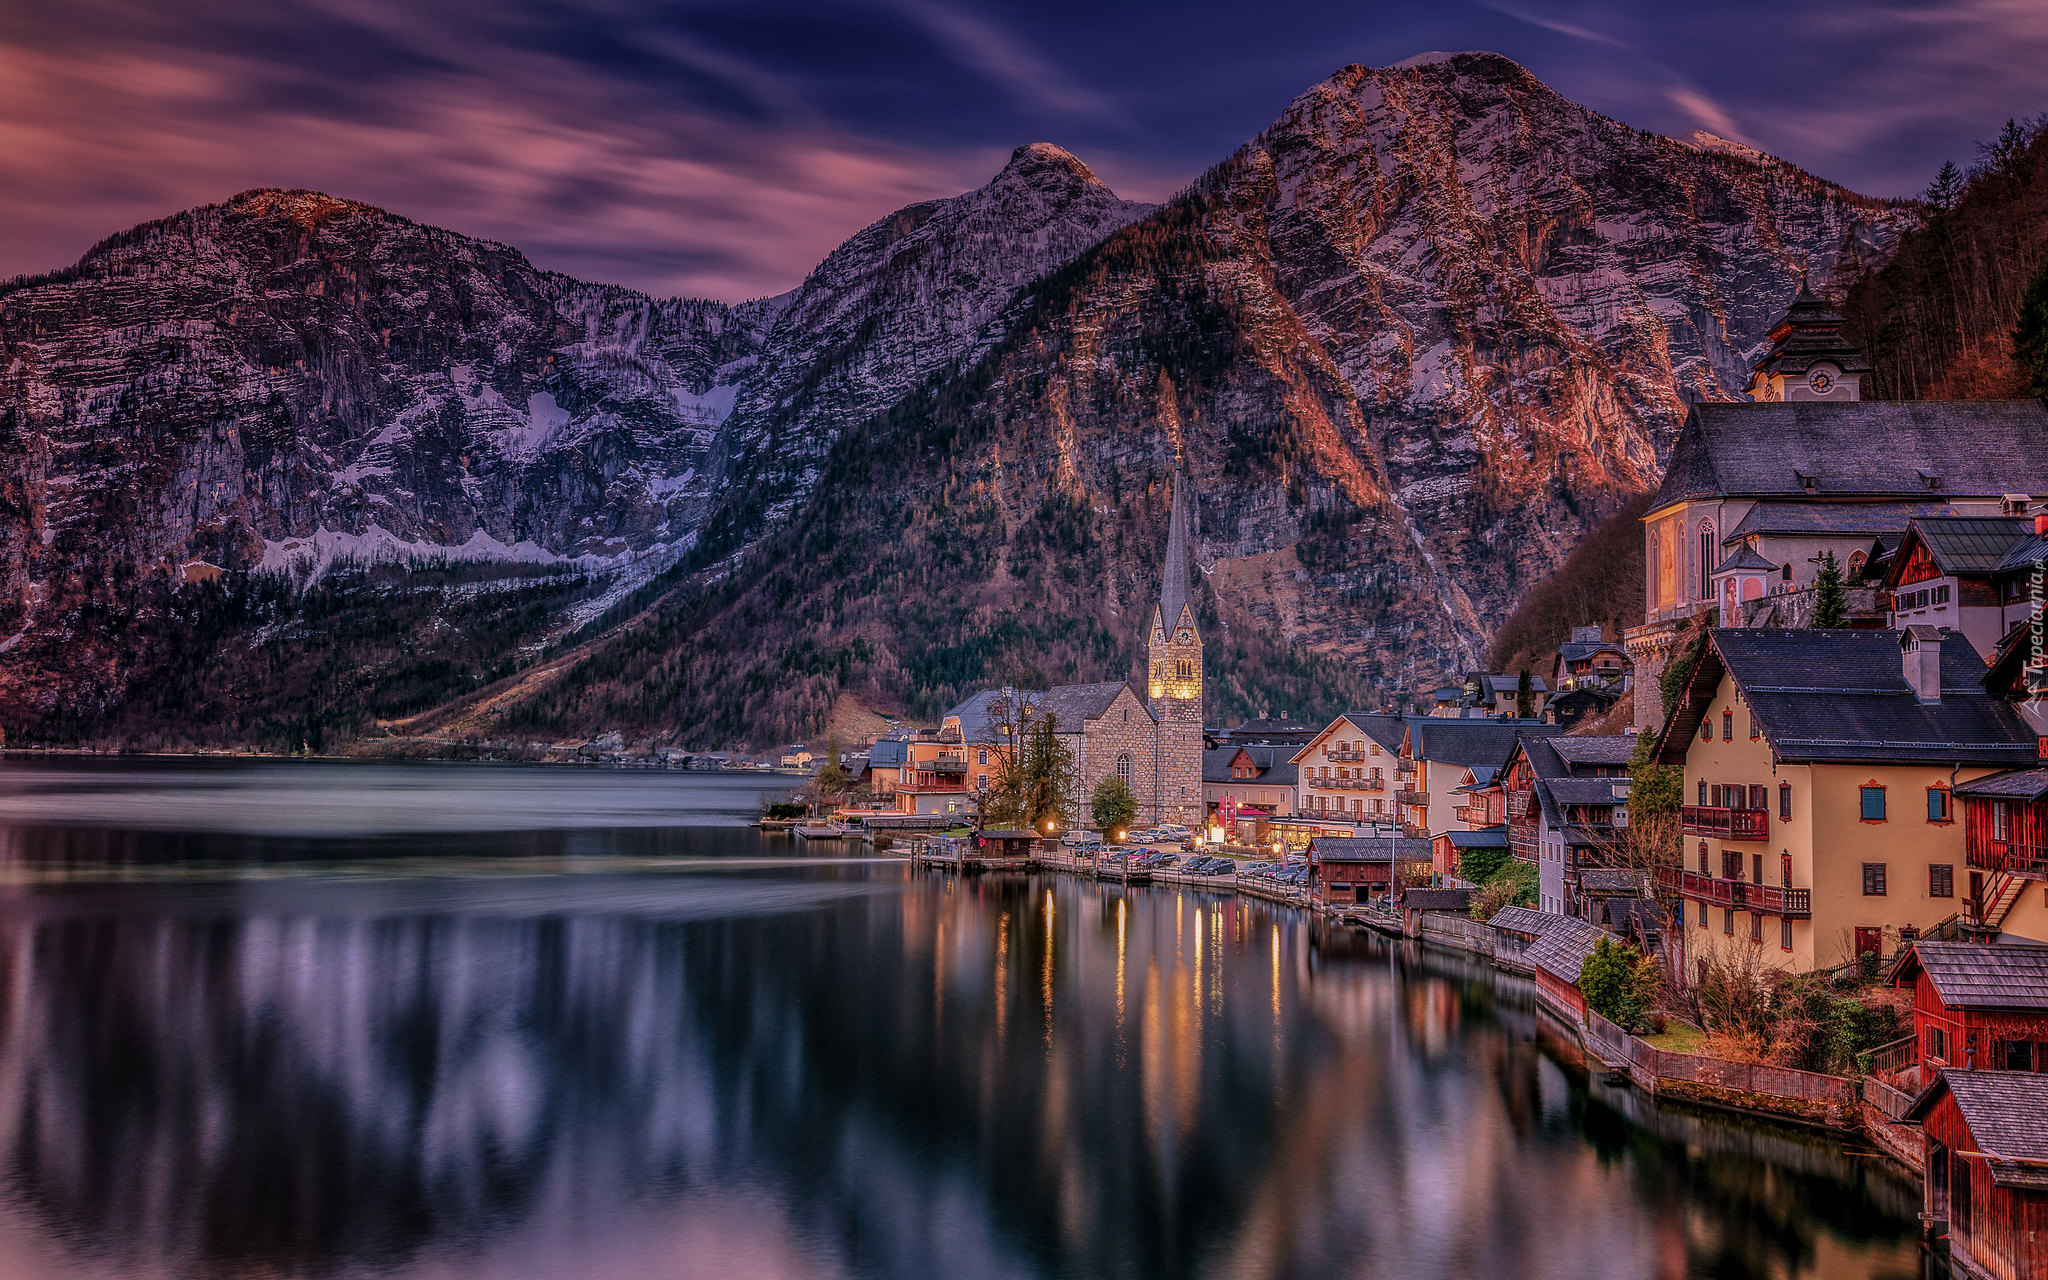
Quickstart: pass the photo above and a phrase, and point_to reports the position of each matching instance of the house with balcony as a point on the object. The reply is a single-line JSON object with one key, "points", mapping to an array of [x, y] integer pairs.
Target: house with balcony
{"points": [[1249, 781], [1820, 770], [1756, 494], [1566, 807], [2005, 834], [1352, 769], [1443, 759], [1946, 573], [1589, 660]]}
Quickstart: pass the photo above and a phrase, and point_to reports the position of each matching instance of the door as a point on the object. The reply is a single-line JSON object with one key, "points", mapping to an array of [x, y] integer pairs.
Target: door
{"points": [[1869, 942]]}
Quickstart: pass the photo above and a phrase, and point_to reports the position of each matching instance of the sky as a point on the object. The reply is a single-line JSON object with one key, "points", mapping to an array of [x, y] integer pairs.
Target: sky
{"points": [[721, 149]]}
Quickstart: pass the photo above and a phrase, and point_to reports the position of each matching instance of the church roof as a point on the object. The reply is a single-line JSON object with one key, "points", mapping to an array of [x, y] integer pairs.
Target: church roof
{"points": [[1745, 557], [1075, 703], [1868, 448], [1176, 591], [1847, 519]]}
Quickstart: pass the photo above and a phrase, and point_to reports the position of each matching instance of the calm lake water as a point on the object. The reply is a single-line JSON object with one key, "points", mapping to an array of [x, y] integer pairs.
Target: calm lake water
{"points": [[461, 1022]]}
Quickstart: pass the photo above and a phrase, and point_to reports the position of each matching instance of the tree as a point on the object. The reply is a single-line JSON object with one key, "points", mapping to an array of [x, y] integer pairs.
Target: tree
{"points": [[1830, 605], [1947, 186], [1114, 808], [1035, 780], [1525, 697], [2030, 337], [1620, 983], [832, 775]]}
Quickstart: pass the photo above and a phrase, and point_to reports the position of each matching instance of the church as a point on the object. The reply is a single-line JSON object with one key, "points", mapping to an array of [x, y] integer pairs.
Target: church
{"points": [[1151, 739]]}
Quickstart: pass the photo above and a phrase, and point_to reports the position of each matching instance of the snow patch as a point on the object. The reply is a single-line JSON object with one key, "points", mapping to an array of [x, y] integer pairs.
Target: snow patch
{"points": [[707, 410], [314, 555]]}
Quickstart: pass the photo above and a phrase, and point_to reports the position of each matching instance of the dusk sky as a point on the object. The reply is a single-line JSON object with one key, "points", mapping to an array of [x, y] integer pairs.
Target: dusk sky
{"points": [[721, 149]]}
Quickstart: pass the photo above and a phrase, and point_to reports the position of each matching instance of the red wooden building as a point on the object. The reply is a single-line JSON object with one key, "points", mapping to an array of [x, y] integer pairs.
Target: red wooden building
{"points": [[2006, 840], [1987, 1169], [1347, 869], [1975, 1006]]}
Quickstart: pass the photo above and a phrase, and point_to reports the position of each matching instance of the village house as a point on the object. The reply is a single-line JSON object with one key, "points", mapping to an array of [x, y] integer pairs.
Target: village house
{"points": [[1566, 808], [1946, 573], [1447, 849], [1351, 769], [1820, 768], [2005, 843], [1974, 1005], [1756, 493], [1446, 757], [1566, 710], [1551, 947], [1987, 1170], [1346, 869], [1499, 695], [1249, 781], [1589, 660]]}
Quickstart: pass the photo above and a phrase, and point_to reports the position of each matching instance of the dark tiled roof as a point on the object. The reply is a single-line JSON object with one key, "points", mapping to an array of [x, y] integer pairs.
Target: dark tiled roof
{"points": [[1842, 695], [1385, 730], [1870, 447], [1595, 748], [1473, 741], [2013, 784], [1369, 849], [2025, 554], [1275, 763], [1615, 880], [2007, 1112], [1074, 703], [1438, 899], [1624, 914], [1484, 838], [1846, 519], [1745, 557], [888, 753], [1496, 685], [1971, 975], [1561, 949], [1580, 650], [1523, 920], [1588, 790]]}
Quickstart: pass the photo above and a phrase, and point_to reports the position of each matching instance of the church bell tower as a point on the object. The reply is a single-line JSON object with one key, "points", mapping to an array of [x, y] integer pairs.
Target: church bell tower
{"points": [[1173, 679]]}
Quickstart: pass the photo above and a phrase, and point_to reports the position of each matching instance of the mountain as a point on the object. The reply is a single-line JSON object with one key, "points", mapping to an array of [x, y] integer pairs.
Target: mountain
{"points": [[1414, 338]]}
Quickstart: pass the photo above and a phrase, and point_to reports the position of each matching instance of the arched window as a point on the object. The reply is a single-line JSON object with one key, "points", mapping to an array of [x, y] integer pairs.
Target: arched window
{"points": [[1123, 767], [1707, 561], [1855, 565]]}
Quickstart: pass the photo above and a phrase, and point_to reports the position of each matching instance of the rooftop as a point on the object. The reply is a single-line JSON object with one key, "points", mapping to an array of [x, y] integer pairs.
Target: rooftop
{"points": [[1473, 742], [1965, 544], [1870, 448], [1972, 975], [2013, 784], [2007, 1112], [1845, 519], [1369, 849]]}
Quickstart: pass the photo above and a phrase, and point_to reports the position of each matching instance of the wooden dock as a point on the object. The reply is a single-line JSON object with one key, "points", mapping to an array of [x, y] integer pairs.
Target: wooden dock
{"points": [[820, 830]]}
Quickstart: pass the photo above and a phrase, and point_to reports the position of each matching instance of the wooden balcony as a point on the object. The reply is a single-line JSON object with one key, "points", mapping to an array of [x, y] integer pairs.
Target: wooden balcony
{"points": [[1420, 799], [943, 764], [1344, 757], [1519, 803], [1771, 899], [2010, 856], [1728, 824]]}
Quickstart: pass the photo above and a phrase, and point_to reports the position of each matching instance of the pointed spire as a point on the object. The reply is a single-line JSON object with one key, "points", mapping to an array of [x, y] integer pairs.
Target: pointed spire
{"points": [[1175, 592]]}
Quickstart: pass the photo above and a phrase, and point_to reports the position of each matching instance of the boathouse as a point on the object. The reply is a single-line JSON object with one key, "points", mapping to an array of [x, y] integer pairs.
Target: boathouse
{"points": [[1987, 1169], [1976, 1005], [1343, 870]]}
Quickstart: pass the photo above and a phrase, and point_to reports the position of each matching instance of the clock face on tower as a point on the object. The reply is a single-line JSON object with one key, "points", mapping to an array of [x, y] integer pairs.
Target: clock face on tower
{"points": [[1821, 382]]}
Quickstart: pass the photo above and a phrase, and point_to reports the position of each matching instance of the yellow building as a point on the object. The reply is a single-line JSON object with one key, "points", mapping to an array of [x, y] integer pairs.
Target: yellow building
{"points": [[1819, 817]]}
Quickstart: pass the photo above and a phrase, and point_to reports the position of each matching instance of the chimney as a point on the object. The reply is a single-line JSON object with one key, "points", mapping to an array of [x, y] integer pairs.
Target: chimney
{"points": [[2041, 523], [1921, 647]]}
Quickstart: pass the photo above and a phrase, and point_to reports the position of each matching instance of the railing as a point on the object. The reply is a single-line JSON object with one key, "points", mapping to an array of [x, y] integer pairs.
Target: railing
{"points": [[1348, 784], [1768, 898], [1522, 843], [1895, 1103], [1729, 824], [1895, 1056], [1344, 757], [956, 787], [944, 764], [1419, 798], [2011, 856]]}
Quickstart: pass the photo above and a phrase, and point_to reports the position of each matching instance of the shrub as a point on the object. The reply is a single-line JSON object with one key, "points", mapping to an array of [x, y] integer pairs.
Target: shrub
{"points": [[1620, 983]]}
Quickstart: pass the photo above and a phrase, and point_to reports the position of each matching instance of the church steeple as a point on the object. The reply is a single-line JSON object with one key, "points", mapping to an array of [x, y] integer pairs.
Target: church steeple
{"points": [[1174, 645]]}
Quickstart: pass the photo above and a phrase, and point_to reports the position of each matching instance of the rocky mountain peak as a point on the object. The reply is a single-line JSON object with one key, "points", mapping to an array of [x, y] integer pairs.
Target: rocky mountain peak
{"points": [[307, 208], [1041, 162]]}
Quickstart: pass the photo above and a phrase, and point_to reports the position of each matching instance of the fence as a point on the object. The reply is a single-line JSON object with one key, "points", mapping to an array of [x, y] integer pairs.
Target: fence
{"points": [[1458, 931], [1893, 1102], [1659, 1068]]}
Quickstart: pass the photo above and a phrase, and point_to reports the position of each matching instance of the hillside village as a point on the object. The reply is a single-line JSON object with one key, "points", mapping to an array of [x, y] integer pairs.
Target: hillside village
{"points": [[1819, 763]]}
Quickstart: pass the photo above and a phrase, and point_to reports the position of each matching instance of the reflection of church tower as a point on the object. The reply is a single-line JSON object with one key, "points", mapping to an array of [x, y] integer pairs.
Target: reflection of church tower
{"points": [[1173, 685]]}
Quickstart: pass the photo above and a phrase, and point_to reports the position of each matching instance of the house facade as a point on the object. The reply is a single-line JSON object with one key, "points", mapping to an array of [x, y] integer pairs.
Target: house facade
{"points": [[1238, 780], [1351, 770], [1448, 757], [1566, 808], [1820, 768], [1986, 1185], [1945, 573], [2005, 834]]}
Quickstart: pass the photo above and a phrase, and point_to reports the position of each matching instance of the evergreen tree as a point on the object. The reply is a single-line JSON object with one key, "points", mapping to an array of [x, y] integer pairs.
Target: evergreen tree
{"points": [[1114, 808], [1947, 186], [1032, 788], [832, 776], [2030, 337], [1525, 697], [1830, 604]]}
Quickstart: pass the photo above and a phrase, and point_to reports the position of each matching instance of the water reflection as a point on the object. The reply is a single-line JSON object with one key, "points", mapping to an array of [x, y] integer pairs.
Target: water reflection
{"points": [[842, 1070]]}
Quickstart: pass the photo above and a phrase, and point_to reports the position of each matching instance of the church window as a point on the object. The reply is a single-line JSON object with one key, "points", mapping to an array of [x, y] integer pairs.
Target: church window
{"points": [[1123, 768], [1707, 560]]}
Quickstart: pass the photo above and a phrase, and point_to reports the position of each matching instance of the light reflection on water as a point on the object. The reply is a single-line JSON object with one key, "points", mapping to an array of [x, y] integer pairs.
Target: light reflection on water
{"points": [[734, 1062]]}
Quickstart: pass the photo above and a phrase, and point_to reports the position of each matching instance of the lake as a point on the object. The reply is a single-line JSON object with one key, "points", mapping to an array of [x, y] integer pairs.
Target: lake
{"points": [[458, 1022]]}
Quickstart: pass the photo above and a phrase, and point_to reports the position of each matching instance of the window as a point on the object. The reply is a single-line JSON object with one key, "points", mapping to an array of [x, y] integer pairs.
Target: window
{"points": [[1873, 802], [1759, 798], [1999, 829], [1375, 751], [1754, 731], [1707, 561], [1756, 868], [1785, 802], [1941, 880], [1123, 768], [1937, 1043], [1873, 879], [1703, 915], [1703, 857], [1939, 805], [1728, 921], [1678, 914], [1756, 926], [1785, 934], [1785, 870], [1703, 794], [2019, 1055], [1706, 730], [1731, 864], [1727, 726], [981, 757]]}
